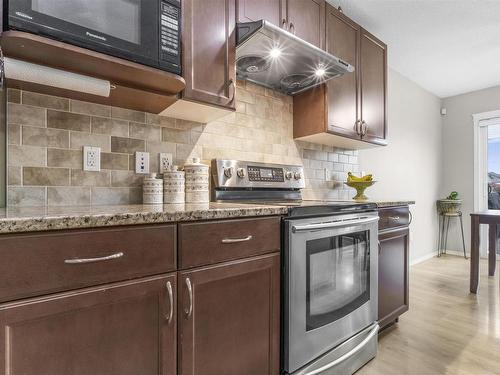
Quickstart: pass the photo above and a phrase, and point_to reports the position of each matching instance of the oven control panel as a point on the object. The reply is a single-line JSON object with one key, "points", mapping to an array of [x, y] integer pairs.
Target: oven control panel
{"points": [[241, 174]]}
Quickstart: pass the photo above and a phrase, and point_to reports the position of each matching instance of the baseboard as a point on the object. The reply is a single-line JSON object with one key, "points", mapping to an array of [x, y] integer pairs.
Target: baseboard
{"points": [[423, 258], [458, 253]]}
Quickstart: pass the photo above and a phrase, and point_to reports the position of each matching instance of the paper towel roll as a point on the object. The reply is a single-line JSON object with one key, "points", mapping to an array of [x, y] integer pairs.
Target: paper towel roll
{"points": [[25, 71]]}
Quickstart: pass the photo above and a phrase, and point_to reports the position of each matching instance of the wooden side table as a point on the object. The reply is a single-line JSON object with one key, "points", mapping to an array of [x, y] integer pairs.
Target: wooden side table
{"points": [[491, 218]]}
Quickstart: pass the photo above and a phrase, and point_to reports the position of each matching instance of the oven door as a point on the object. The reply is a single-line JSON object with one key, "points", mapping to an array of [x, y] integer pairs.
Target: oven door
{"points": [[123, 28], [331, 283]]}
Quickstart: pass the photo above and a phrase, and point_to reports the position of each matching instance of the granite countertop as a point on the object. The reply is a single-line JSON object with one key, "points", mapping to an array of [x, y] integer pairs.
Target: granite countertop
{"points": [[32, 219]]}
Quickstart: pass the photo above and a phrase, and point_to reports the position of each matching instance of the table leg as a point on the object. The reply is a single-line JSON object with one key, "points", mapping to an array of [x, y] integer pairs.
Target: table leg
{"points": [[474, 254], [492, 249]]}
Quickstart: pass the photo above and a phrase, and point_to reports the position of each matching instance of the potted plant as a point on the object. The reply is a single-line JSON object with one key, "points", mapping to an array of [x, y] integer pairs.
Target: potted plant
{"points": [[450, 205]]}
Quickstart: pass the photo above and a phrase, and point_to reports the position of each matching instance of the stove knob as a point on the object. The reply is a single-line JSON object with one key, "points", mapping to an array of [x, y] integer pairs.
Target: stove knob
{"points": [[228, 172], [297, 176], [288, 175], [241, 172]]}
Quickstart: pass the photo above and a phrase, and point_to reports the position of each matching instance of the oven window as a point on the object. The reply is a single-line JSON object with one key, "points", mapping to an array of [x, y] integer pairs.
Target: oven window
{"points": [[338, 277], [118, 18]]}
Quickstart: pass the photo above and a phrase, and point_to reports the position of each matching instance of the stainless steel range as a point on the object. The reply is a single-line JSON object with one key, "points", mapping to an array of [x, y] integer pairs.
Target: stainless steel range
{"points": [[330, 258]]}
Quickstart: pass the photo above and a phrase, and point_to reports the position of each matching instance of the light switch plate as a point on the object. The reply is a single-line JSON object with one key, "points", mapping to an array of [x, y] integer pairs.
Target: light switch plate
{"points": [[91, 159], [142, 162], [166, 162]]}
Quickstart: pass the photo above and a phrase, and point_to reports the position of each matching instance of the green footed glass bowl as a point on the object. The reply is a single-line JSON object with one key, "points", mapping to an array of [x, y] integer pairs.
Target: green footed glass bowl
{"points": [[360, 187]]}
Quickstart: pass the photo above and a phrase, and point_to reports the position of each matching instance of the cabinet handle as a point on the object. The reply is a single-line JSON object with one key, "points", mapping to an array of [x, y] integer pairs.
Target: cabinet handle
{"points": [[230, 85], [394, 218], [411, 217], [171, 302], [364, 128], [379, 247], [235, 240], [93, 260], [283, 24], [189, 310], [356, 127], [292, 28]]}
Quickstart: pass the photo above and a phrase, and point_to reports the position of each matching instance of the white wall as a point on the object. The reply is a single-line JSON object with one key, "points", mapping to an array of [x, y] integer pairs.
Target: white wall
{"points": [[410, 166], [458, 150]]}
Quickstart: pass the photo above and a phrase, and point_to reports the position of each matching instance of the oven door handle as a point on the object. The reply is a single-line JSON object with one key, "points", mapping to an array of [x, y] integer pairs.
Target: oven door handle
{"points": [[335, 224], [348, 355]]}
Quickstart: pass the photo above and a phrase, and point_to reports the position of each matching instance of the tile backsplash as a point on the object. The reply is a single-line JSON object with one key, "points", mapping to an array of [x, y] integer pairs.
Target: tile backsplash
{"points": [[46, 135]]}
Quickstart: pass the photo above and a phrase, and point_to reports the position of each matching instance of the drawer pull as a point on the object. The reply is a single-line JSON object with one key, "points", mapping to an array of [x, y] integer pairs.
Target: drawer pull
{"points": [[235, 240], [394, 218], [189, 310], [171, 302], [94, 260]]}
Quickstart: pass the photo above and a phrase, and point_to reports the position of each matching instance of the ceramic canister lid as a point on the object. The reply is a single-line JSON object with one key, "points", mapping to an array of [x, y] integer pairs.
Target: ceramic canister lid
{"points": [[195, 163]]}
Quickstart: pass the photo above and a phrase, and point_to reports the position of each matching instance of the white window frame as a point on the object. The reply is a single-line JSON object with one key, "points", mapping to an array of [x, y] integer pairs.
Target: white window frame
{"points": [[481, 123]]}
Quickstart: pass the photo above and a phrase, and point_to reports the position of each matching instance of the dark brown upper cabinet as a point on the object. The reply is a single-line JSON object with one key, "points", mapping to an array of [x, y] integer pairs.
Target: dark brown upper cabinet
{"points": [[273, 11], [120, 329], [306, 19], [349, 111], [229, 318], [209, 50]]}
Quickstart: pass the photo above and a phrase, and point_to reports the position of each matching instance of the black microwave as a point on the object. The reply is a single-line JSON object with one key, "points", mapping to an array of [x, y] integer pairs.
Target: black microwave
{"points": [[143, 31]]}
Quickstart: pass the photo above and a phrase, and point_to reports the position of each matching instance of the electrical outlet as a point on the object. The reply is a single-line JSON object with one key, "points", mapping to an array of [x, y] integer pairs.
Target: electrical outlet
{"points": [[141, 162], [91, 159], [166, 162]]}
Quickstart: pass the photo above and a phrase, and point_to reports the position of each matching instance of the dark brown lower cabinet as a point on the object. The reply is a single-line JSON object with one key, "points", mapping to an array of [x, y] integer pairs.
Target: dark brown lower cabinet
{"points": [[118, 329], [393, 274], [229, 318]]}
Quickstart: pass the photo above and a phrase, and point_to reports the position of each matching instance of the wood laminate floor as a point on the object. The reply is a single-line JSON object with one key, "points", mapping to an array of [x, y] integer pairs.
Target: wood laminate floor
{"points": [[447, 330]]}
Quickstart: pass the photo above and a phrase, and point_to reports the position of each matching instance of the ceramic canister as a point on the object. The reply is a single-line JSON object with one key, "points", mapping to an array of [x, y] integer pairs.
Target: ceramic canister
{"points": [[152, 190], [197, 177], [174, 186]]}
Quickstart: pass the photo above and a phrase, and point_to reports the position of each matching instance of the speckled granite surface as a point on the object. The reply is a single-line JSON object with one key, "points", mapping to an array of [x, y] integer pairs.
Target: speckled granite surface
{"points": [[32, 219]]}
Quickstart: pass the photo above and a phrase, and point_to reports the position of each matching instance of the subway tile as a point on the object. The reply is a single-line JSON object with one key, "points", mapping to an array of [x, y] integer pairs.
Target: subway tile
{"points": [[127, 145], [25, 115], [14, 176], [45, 137], [254, 88], [68, 196], [46, 101], [68, 121], [145, 131], [157, 147], [26, 196], [27, 156], [35, 176], [126, 179], [79, 139], [14, 96], [92, 109], [64, 158], [114, 161], [14, 134], [128, 114], [102, 195], [90, 178], [102, 125], [245, 96], [160, 120], [175, 135]]}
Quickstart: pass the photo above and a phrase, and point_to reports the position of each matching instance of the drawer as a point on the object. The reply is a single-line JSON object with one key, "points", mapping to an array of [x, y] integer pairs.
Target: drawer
{"points": [[393, 217], [44, 263], [219, 241]]}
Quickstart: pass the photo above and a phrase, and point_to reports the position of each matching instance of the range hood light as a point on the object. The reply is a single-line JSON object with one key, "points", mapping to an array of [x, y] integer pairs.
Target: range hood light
{"points": [[275, 52], [320, 72]]}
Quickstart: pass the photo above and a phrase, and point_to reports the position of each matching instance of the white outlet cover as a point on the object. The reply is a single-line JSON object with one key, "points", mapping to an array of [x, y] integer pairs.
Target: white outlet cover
{"points": [[91, 159], [166, 162], [142, 162]]}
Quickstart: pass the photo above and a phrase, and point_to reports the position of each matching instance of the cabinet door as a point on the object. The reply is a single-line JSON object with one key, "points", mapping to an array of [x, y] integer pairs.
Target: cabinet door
{"points": [[342, 40], [229, 318], [256, 10], [393, 275], [306, 19], [120, 329], [373, 69], [209, 50]]}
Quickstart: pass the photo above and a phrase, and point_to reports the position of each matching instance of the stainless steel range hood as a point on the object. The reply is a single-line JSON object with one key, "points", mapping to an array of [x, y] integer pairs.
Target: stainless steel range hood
{"points": [[270, 56]]}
